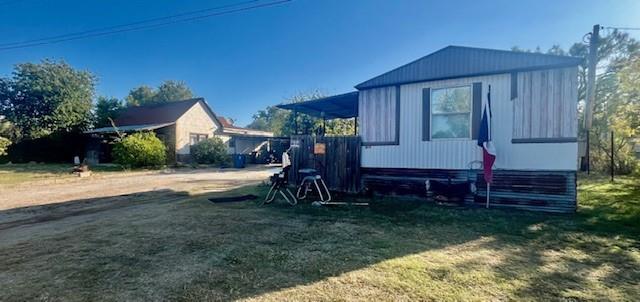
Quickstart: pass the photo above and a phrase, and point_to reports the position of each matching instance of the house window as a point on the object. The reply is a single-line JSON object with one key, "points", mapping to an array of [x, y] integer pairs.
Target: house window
{"points": [[195, 138], [451, 113]]}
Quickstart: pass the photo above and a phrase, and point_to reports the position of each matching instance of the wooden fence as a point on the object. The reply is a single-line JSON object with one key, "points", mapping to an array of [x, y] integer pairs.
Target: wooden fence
{"points": [[336, 158]]}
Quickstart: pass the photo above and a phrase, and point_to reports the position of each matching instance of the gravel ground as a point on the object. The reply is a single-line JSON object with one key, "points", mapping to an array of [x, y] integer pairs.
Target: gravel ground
{"points": [[186, 181]]}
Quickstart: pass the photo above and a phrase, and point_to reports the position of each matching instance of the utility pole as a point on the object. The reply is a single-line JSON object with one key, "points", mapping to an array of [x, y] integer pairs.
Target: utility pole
{"points": [[591, 87]]}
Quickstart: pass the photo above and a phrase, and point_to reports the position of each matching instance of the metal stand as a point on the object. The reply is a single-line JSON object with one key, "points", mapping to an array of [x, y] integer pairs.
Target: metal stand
{"points": [[316, 181], [280, 185]]}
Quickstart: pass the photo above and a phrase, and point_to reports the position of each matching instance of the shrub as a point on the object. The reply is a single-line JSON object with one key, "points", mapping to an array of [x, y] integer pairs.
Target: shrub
{"points": [[59, 147], [142, 149], [4, 145], [211, 151]]}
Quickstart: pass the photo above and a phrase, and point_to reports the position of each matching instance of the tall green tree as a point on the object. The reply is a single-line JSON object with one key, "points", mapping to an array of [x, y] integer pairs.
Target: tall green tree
{"points": [[106, 110], [613, 105], [42, 98], [140, 96], [171, 91], [168, 91]]}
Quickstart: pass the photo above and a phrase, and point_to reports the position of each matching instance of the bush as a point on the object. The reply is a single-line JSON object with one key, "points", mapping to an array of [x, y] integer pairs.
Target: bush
{"points": [[4, 145], [142, 149], [211, 151], [59, 147]]}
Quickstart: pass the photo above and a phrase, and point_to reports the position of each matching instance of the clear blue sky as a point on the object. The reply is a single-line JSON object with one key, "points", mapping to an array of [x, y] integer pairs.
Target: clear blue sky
{"points": [[244, 62]]}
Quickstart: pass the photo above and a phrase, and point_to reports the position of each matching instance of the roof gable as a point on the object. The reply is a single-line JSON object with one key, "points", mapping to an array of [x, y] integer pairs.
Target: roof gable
{"points": [[159, 113], [459, 61]]}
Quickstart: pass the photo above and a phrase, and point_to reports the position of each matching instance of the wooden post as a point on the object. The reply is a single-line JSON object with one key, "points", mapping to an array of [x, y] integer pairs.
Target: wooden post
{"points": [[591, 87], [586, 150]]}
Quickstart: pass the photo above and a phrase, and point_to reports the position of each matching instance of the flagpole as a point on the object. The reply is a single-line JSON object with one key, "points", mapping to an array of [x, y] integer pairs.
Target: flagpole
{"points": [[489, 135], [488, 192]]}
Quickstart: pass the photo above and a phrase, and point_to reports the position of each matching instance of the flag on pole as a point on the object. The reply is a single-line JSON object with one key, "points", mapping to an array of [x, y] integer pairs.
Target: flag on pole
{"points": [[484, 141]]}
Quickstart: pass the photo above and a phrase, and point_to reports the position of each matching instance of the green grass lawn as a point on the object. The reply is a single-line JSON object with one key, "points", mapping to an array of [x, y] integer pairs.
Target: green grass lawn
{"points": [[11, 174], [396, 250]]}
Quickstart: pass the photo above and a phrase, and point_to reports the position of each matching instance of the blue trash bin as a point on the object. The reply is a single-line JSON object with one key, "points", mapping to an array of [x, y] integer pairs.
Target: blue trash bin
{"points": [[238, 161]]}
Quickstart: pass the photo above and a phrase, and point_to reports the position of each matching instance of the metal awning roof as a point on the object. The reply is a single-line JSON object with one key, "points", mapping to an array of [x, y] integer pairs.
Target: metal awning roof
{"points": [[332, 107], [129, 128]]}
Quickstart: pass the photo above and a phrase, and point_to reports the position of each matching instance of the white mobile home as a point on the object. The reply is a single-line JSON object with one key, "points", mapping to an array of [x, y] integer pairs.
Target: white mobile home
{"points": [[421, 121]]}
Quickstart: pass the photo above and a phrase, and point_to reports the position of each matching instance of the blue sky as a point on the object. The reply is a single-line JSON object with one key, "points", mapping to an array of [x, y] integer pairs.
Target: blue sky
{"points": [[244, 62]]}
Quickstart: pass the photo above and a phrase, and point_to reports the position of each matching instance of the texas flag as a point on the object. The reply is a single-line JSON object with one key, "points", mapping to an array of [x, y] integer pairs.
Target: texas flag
{"points": [[484, 141]]}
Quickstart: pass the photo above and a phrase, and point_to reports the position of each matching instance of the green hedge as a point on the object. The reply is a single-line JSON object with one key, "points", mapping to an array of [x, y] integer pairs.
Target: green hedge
{"points": [[142, 149], [211, 151], [56, 148]]}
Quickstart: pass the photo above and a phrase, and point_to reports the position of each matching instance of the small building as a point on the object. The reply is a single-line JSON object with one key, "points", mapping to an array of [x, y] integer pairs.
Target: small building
{"points": [[243, 140], [179, 125], [421, 121]]}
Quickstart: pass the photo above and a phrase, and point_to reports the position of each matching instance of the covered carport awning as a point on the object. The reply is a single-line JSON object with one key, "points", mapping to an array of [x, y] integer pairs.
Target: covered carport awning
{"points": [[332, 107], [128, 128]]}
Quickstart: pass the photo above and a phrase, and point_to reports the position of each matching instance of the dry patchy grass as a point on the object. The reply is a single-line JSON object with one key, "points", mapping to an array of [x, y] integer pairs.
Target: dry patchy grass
{"points": [[13, 174], [188, 249]]}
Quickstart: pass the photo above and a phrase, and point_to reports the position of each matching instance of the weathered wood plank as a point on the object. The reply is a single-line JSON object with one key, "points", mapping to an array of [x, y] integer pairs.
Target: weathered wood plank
{"points": [[339, 166], [546, 104]]}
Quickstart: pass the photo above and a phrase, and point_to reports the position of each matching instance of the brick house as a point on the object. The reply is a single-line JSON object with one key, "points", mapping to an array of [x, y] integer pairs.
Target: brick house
{"points": [[179, 125]]}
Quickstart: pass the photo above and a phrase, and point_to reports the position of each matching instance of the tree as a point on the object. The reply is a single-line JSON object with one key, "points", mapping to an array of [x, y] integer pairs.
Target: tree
{"points": [[168, 91], [40, 99], [270, 119], [171, 91], [106, 110], [140, 96]]}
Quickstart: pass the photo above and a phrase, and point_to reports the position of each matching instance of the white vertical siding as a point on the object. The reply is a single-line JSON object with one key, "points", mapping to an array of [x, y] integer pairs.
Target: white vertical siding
{"points": [[412, 152]]}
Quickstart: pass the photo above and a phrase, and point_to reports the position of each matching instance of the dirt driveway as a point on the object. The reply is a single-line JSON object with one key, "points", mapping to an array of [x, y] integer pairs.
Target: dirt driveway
{"points": [[187, 181]]}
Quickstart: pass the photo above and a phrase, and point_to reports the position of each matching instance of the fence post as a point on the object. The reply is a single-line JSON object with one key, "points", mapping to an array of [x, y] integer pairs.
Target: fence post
{"points": [[612, 158], [587, 155]]}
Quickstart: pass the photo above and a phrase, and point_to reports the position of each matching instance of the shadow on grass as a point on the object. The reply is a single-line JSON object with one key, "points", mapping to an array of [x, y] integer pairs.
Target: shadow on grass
{"points": [[166, 245]]}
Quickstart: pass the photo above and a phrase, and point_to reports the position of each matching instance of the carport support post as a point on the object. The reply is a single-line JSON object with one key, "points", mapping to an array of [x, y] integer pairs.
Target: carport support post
{"points": [[295, 122], [355, 126], [324, 123]]}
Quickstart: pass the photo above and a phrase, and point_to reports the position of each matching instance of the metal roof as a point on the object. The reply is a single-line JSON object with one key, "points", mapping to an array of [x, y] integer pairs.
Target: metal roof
{"points": [[168, 112], [460, 61], [237, 131], [332, 107], [129, 128]]}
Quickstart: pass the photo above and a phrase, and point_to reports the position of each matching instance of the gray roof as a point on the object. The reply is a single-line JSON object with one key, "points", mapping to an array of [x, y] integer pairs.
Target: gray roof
{"points": [[459, 61]]}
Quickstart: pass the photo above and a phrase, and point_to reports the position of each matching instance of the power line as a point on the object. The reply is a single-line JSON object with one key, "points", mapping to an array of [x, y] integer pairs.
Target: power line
{"points": [[141, 25], [9, 2], [623, 28], [114, 27]]}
